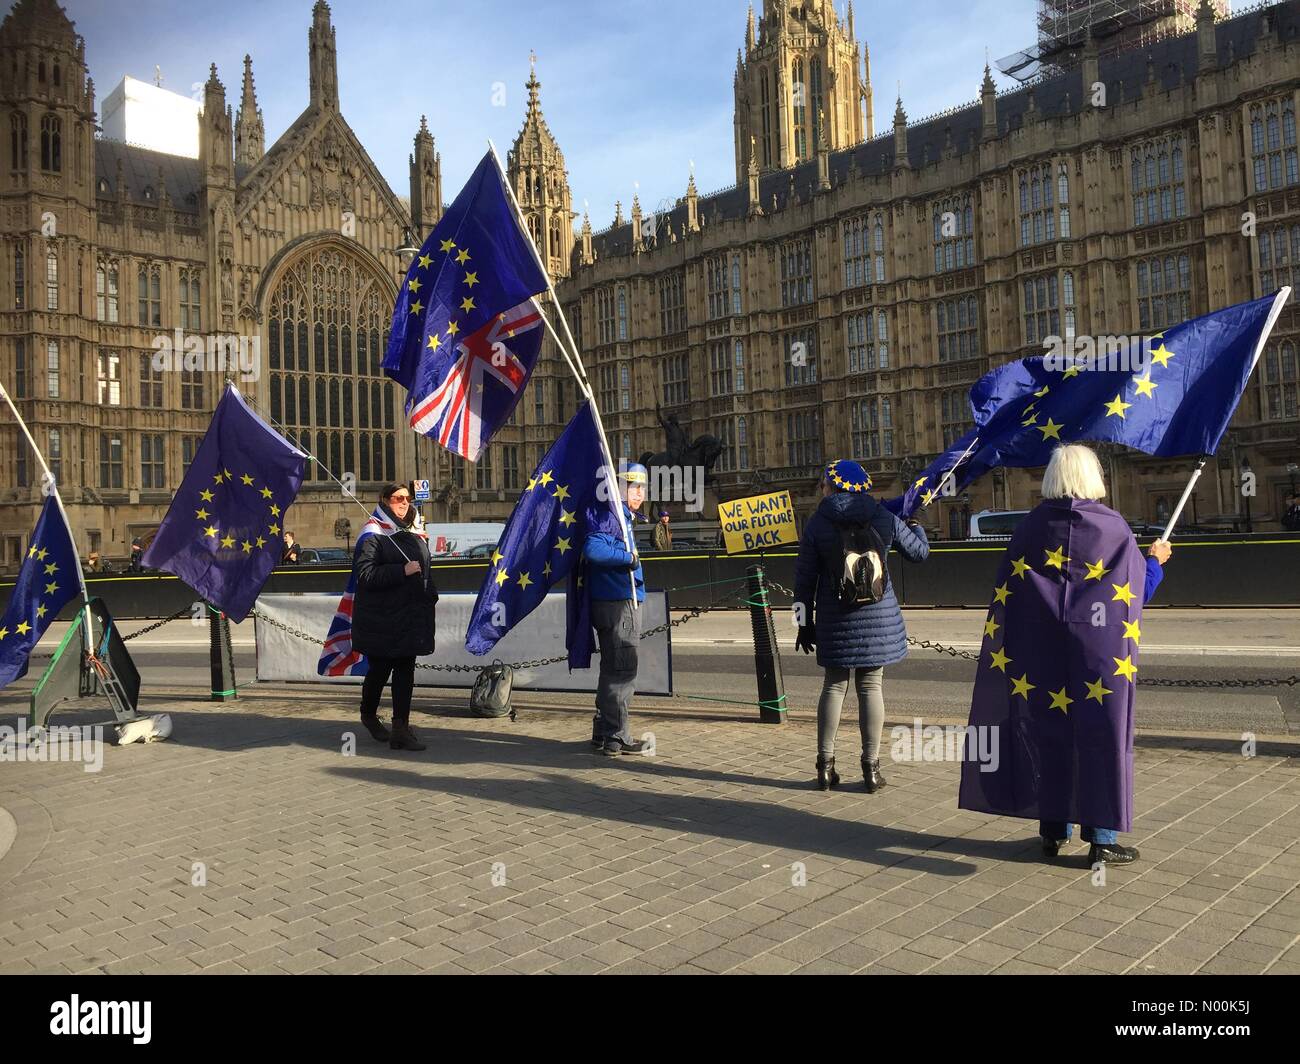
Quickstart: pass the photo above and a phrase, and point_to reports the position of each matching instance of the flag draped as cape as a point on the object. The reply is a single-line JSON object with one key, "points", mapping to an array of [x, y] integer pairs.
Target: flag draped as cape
{"points": [[1058, 671]]}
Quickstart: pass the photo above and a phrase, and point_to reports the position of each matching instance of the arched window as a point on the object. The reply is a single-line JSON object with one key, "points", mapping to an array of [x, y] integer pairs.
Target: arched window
{"points": [[51, 281], [51, 144], [18, 141], [765, 115]]}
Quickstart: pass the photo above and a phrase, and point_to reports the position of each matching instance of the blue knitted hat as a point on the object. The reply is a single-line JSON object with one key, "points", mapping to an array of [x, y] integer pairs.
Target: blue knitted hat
{"points": [[847, 475]]}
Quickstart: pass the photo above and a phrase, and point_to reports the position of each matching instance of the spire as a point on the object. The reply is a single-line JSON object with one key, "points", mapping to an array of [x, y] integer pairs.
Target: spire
{"points": [[636, 222], [250, 133], [1208, 49], [323, 59], [692, 205], [755, 207], [584, 241], [852, 35], [618, 212], [900, 134], [989, 104], [751, 39], [426, 182], [823, 154]]}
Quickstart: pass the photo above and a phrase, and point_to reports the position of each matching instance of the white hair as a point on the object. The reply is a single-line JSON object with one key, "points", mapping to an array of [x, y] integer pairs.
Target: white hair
{"points": [[1074, 472]]}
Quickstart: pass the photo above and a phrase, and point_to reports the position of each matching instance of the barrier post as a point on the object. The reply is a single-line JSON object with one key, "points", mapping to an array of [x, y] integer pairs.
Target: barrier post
{"points": [[221, 656], [767, 655]]}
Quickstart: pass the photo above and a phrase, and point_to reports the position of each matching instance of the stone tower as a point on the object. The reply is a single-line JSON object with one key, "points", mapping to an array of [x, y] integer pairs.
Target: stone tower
{"points": [[426, 183], [799, 63], [536, 170]]}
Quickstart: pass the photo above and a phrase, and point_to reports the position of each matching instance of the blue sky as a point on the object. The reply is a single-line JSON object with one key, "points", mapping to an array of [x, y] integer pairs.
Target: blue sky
{"points": [[634, 90]]}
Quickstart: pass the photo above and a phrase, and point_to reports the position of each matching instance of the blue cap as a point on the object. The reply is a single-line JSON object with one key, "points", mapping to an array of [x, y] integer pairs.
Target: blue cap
{"points": [[847, 475], [635, 473]]}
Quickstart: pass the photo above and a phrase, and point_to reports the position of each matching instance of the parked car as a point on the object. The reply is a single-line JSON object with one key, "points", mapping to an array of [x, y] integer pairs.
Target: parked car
{"points": [[324, 556], [481, 550], [996, 524]]}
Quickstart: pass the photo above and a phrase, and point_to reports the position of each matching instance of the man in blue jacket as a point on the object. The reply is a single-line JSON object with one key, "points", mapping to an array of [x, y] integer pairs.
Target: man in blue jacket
{"points": [[613, 572]]}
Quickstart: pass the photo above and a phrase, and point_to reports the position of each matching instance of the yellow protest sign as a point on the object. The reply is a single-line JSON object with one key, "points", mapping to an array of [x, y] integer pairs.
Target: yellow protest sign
{"points": [[758, 523]]}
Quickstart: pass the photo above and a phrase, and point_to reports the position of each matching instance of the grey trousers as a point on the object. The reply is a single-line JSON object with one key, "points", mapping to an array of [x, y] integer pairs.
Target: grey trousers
{"points": [[618, 629], [871, 709]]}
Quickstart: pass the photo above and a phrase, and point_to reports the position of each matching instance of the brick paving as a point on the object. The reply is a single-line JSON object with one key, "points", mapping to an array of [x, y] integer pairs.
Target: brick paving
{"points": [[509, 847]]}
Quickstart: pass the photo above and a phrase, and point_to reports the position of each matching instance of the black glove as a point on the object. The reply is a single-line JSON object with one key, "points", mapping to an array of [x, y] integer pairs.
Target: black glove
{"points": [[807, 639]]}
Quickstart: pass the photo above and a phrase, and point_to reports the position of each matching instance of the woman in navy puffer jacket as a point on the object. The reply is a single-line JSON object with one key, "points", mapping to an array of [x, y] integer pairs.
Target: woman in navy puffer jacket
{"points": [[860, 639]]}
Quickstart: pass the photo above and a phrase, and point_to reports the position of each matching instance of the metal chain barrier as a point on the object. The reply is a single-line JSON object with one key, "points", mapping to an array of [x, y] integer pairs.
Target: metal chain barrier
{"points": [[158, 624]]}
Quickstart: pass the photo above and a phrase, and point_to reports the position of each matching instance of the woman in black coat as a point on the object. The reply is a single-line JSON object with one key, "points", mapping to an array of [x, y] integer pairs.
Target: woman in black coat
{"points": [[392, 615], [855, 639]]}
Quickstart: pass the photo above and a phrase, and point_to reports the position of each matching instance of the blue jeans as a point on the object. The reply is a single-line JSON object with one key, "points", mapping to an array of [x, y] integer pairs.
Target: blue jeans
{"points": [[1054, 829]]}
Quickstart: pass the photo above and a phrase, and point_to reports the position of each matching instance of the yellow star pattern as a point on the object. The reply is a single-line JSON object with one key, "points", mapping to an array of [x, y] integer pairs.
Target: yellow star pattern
{"points": [[1146, 386], [1019, 568], [1161, 355], [1061, 701], [435, 342], [1056, 559], [1132, 631], [467, 304], [546, 479], [453, 328], [1125, 667], [248, 547], [497, 557], [51, 569], [1001, 594], [211, 530], [999, 660], [3, 632], [1098, 691], [51, 588], [417, 307], [247, 480], [275, 511], [23, 628], [566, 518], [414, 285], [1032, 419], [471, 279], [1123, 594], [1072, 371], [447, 245], [546, 569], [920, 483], [563, 545], [1096, 572], [462, 257], [991, 626], [1051, 431], [1117, 406], [561, 492], [205, 495], [31, 552], [41, 611], [927, 498], [40, 554], [425, 262], [227, 541], [266, 493], [202, 515], [261, 542], [501, 577], [1022, 687], [273, 529]]}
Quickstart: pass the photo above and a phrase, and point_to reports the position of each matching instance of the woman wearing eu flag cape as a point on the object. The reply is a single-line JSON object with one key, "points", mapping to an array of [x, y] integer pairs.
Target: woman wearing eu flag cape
{"points": [[1057, 674]]}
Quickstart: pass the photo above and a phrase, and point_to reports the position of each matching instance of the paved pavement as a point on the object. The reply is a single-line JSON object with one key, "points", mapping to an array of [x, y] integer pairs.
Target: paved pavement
{"points": [[509, 847]]}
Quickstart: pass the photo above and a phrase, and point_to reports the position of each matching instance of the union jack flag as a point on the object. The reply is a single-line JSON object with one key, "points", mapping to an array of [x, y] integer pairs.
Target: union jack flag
{"points": [[338, 658], [494, 364]]}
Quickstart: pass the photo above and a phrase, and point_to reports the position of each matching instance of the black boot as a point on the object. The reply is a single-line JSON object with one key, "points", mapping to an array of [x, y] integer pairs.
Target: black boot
{"points": [[827, 777], [1111, 853], [871, 775], [404, 738], [375, 727]]}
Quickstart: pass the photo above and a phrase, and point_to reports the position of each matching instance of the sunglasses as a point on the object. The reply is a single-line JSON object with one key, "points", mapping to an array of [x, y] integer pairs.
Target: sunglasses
{"points": [[399, 498]]}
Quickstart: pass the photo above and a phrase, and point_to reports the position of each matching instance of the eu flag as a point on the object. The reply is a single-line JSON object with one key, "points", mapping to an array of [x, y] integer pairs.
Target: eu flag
{"points": [[223, 533], [1172, 394], [466, 331], [1057, 677], [47, 581], [571, 493]]}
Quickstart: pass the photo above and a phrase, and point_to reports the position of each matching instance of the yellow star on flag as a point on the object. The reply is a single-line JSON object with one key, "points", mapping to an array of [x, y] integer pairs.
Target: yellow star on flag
{"points": [[417, 307], [562, 545], [205, 495], [266, 493], [247, 480], [1039, 394], [261, 542], [1019, 568], [1056, 559], [920, 483], [31, 553], [275, 510], [1032, 419], [23, 628], [546, 569], [51, 569], [532, 483], [227, 541], [211, 530], [248, 547], [1132, 631], [566, 517], [447, 245], [462, 257], [1146, 386], [217, 477], [1072, 371], [40, 554], [1022, 687], [1001, 594], [3, 632], [999, 660], [525, 579], [1117, 406], [1098, 691], [434, 342], [414, 285], [501, 577], [546, 478], [51, 588], [561, 492], [927, 498], [41, 611], [202, 515], [471, 279], [1161, 355], [274, 530], [497, 557], [1125, 667], [1123, 594], [425, 262], [453, 328], [1060, 700], [991, 626], [1051, 431], [467, 304], [1096, 572]]}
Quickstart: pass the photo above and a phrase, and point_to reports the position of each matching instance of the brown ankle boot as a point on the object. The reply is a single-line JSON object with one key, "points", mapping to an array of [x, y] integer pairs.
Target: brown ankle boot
{"points": [[404, 738]]}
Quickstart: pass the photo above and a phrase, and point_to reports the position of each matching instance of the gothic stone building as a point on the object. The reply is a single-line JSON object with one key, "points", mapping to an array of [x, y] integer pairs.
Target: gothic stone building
{"points": [[841, 299], [822, 308]]}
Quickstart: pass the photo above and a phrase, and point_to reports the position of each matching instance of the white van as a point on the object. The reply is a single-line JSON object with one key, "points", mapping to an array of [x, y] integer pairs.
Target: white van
{"points": [[455, 541], [996, 524]]}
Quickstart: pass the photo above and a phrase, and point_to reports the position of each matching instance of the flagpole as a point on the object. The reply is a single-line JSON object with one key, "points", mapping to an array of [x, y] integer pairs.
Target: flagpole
{"points": [[1278, 303], [575, 362], [58, 501], [956, 465]]}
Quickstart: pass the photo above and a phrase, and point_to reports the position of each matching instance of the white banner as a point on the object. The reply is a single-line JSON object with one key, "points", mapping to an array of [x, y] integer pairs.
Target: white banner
{"points": [[281, 656]]}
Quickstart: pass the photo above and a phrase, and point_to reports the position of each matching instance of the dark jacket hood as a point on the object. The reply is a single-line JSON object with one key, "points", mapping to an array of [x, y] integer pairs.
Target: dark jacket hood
{"points": [[847, 507]]}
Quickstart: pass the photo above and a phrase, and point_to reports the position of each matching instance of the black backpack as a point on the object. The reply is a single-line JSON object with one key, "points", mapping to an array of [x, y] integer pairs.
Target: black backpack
{"points": [[491, 694], [864, 566]]}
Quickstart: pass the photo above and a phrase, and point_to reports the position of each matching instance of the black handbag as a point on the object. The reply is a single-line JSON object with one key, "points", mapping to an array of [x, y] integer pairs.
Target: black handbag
{"points": [[491, 694]]}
